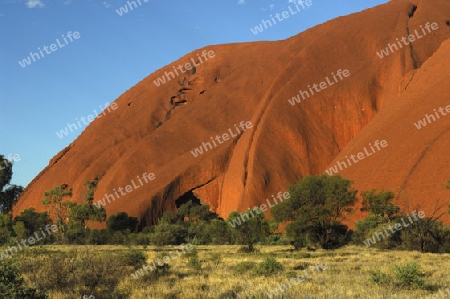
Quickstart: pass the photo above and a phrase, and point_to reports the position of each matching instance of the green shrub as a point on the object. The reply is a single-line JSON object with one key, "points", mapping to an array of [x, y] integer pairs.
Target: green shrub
{"points": [[407, 276], [410, 276], [244, 267], [12, 284], [142, 239], [379, 278], [82, 271], [269, 266], [135, 258]]}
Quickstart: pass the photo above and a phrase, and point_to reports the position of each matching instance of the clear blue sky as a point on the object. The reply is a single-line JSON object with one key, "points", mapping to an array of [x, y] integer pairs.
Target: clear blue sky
{"points": [[111, 55]]}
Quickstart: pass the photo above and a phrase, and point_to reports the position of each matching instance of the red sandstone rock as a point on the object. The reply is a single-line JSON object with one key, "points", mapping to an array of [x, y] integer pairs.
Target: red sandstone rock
{"points": [[286, 142]]}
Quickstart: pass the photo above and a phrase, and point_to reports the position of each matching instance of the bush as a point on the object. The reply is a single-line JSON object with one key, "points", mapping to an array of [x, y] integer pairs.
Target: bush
{"points": [[244, 267], [119, 237], [135, 258], [379, 278], [98, 237], [269, 266], [85, 271], [121, 222], [410, 276], [142, 239], [12, 284], [426, 235], [407, 276], [168, 234]]}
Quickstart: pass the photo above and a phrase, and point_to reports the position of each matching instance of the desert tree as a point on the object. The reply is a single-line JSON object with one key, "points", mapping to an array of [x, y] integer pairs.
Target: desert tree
{"points": [[170, 230], [56, 206], [381, 211], [249, 231], [315, 209], [426, 234], [86, 211], [379, 204], [192, 212], [8, 192], [30, 221]]}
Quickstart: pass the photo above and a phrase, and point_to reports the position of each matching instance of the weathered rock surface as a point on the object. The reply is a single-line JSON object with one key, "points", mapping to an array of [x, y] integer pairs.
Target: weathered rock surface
{"points": [[381, 99]]}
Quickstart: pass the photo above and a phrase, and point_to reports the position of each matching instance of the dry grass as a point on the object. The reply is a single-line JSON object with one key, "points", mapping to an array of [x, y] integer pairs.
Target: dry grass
{"points": [[346, 276]]}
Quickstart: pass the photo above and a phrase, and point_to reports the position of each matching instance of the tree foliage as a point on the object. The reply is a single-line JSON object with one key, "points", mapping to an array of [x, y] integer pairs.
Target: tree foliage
{"points": [[193, 212], [249, 231], [54, 202], [30, 221], [316, 207], [85, 212], [57, 207], [121, 222], [8, 192], [379, 204]]}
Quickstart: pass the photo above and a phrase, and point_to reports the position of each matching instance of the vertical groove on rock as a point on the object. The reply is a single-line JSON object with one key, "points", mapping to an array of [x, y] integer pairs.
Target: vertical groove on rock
{"points": [[411, 48]]}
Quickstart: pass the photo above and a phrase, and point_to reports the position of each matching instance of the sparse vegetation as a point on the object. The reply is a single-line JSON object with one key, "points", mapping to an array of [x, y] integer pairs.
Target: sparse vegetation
{"points": [[210, 271], [70, 272]]}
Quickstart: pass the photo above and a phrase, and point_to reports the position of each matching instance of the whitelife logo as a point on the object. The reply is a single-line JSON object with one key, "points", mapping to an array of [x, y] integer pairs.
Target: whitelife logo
{"points": [[31, 240], [128, 189], [407, 40], [360, 157], [90, 117], [225, 137], [162, 80], [323, 85], [27, 61], [262, 208], [124, 9], [398, 226], [282, 287], [284, 15], [165, 260], [423, 123]]}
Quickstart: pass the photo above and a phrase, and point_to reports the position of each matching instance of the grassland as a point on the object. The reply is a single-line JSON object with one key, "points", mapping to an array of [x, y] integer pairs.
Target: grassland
{"points": [[346, 275]]}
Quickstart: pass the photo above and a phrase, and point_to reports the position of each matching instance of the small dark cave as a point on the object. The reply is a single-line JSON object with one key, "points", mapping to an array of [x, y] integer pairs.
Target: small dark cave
{"points": [[413, 10], [448, 23], [185, 198]]}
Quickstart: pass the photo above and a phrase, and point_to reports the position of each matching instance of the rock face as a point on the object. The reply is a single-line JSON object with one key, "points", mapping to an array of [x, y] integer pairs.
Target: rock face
{"points": [[156, 129]]}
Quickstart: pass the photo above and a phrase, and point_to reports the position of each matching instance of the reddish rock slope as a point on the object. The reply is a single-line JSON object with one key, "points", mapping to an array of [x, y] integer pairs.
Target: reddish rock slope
{"points": [[155, 128]]}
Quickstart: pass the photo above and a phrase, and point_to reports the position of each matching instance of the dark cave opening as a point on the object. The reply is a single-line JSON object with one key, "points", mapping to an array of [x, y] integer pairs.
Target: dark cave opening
{"points": [[185, 198], [413, 10]]}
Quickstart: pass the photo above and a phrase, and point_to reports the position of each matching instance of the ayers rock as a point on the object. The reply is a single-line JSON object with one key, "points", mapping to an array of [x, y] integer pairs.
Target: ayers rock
{"points": [[154, 129]]}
